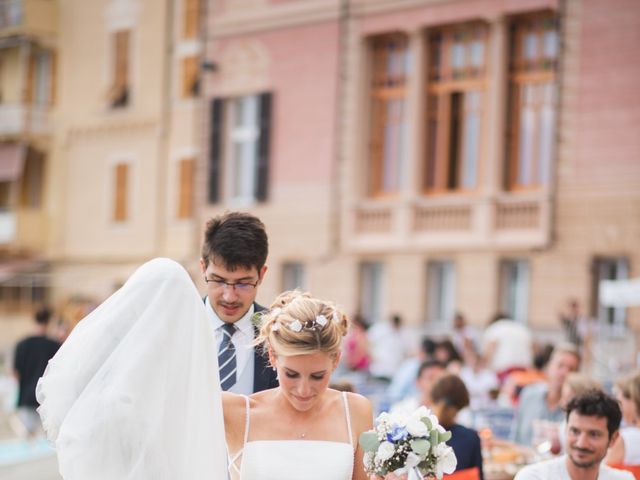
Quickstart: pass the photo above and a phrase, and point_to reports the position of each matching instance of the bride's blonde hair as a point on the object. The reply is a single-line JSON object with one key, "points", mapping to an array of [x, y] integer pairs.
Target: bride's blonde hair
{"points": [[297, 323]]}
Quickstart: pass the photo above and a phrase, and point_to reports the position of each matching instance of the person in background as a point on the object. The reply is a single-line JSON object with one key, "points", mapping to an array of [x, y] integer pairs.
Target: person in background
{"points": [[447, 353], [403, 383], [593, 420], [463, 336], [356, 346], [428, 373], [481, 382], [539, 406], [573, 323], [508, 346], [449, 395], [626, 449], [29, 363], [388, 348], [575, 384], [516, 381]]}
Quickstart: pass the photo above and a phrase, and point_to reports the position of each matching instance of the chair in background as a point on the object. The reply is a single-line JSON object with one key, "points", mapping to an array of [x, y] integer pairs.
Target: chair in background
{"points": [[634, 469], [466, 474]]}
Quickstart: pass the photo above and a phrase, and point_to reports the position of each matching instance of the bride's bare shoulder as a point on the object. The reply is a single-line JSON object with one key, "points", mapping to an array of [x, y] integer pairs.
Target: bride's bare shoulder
{"points": [[360, 409], [232, 404]]}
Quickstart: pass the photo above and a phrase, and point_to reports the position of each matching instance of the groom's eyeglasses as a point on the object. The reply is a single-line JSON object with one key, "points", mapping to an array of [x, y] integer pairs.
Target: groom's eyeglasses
{"points": [[219, 283]]}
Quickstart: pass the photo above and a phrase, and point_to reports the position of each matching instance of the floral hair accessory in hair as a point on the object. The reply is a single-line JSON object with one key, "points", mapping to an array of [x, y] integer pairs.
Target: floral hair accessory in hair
{"points": [[276, 311], [321, 320], [275, 326], [336, 316], [295, 326]]}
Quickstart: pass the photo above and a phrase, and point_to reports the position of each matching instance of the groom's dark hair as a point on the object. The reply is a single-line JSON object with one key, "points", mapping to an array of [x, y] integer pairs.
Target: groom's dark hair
{"points": [[237, 239]]}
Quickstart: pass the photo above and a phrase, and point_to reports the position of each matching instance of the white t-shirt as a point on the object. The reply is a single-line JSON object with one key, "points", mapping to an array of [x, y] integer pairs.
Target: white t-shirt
{"points": [[556, 469], [631, 437], [479, 385], [387, 349], [513, 345]]}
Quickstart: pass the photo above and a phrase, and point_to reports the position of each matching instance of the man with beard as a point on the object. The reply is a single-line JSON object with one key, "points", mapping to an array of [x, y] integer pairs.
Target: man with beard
{"points": [[593, 420], [233, 265]]}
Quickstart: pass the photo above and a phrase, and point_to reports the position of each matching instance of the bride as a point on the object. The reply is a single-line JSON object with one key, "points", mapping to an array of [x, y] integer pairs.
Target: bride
{"points": [[133, 394], [302, 429]]}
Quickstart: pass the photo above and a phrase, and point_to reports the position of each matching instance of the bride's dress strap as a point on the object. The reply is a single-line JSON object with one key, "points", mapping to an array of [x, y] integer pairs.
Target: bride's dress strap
{"points": [[233, 461], [246, 421], [347, 415]]}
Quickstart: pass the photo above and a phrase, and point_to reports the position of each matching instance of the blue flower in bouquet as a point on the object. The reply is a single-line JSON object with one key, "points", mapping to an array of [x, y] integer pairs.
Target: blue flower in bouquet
{"points": [[398, 433], [412, 445]]}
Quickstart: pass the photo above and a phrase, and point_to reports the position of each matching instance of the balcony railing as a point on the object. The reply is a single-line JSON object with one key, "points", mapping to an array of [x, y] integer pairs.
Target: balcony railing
{"points": [[503, 220], [18, 118]]}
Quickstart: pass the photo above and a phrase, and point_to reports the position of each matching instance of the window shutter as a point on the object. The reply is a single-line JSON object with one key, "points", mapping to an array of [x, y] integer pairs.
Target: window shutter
{"points": [[189, 76], [31, 75], [185, 198], [120, 88], [264, 143], [53, 76], [215, 150], [120, 197], [191, 15]]}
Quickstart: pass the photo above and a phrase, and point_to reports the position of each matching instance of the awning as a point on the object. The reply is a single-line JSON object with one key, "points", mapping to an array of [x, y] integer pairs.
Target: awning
{"points": [[14, 267], [12, 157], [620, 293]]}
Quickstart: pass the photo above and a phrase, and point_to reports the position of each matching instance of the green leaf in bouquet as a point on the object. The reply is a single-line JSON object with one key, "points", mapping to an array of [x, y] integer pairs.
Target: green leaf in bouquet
{"points": [[427, 422], [434, 437], [369, 441], [420, 446], [443, 437]]}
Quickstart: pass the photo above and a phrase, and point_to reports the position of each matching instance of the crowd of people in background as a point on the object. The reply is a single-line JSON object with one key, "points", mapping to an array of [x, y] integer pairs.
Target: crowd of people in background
{"points": [[498, 387]]}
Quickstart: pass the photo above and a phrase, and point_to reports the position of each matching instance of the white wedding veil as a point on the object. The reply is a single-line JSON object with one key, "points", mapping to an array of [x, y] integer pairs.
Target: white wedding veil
{"points": [[133, 394]]}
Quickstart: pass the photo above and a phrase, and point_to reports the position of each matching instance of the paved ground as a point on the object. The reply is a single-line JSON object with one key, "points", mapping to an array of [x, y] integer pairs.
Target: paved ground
{"points": [[39, 469]]}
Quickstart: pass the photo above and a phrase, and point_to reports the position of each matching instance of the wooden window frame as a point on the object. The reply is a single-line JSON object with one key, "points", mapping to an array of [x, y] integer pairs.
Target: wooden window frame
{"points": [[384, 87], [522, 73], [440, 273], [519, 310], [444, 83], [220, 146]]}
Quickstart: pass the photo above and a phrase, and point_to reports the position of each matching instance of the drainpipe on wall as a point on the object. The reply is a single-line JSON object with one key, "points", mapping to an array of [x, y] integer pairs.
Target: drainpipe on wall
{"points": [[562, 21], [201, 114], [335, 200], [164, 131]]}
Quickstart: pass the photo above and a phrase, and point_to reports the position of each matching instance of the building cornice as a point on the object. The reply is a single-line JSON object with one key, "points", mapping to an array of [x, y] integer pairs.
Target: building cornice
{"points": [[115, 126], [255, 20]]}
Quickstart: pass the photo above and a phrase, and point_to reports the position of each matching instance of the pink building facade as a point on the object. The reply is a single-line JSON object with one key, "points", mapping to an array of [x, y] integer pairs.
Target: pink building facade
{"points": [[422, 158]]}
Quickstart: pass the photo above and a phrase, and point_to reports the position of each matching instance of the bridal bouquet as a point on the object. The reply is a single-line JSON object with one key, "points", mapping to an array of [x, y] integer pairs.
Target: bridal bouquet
{"points": [[412, 445]]}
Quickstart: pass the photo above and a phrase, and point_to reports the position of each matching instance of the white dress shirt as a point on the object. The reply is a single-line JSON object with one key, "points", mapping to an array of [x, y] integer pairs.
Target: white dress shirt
{"points": [[243, 342]]}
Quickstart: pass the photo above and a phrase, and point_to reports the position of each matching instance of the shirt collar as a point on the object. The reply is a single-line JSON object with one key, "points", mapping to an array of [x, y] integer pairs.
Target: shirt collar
{"points": [[244, 324]]}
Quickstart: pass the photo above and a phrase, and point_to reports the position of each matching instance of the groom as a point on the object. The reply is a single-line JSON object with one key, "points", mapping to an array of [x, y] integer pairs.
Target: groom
{"points": [[233, 264]]}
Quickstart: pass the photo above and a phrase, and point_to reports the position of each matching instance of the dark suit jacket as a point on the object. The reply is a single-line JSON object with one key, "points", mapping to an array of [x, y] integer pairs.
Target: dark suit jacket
{"points": [[264, 377]]}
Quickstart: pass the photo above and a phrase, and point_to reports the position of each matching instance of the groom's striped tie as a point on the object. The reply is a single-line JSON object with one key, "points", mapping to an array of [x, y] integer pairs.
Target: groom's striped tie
{"points": [[227, 357]]}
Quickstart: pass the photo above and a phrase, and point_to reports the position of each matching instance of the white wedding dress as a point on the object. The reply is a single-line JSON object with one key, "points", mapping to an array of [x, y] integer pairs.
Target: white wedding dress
{"points": [[133, 394], [294, 459]]}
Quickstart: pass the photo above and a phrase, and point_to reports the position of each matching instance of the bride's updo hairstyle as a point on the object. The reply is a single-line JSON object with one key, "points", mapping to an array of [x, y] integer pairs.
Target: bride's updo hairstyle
{"points": [[297, 323]]}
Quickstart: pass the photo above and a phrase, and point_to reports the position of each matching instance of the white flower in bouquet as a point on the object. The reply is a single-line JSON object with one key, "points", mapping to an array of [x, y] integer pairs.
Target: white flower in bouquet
{"points": [[385, 451], [446, 462], [408, 444]]}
